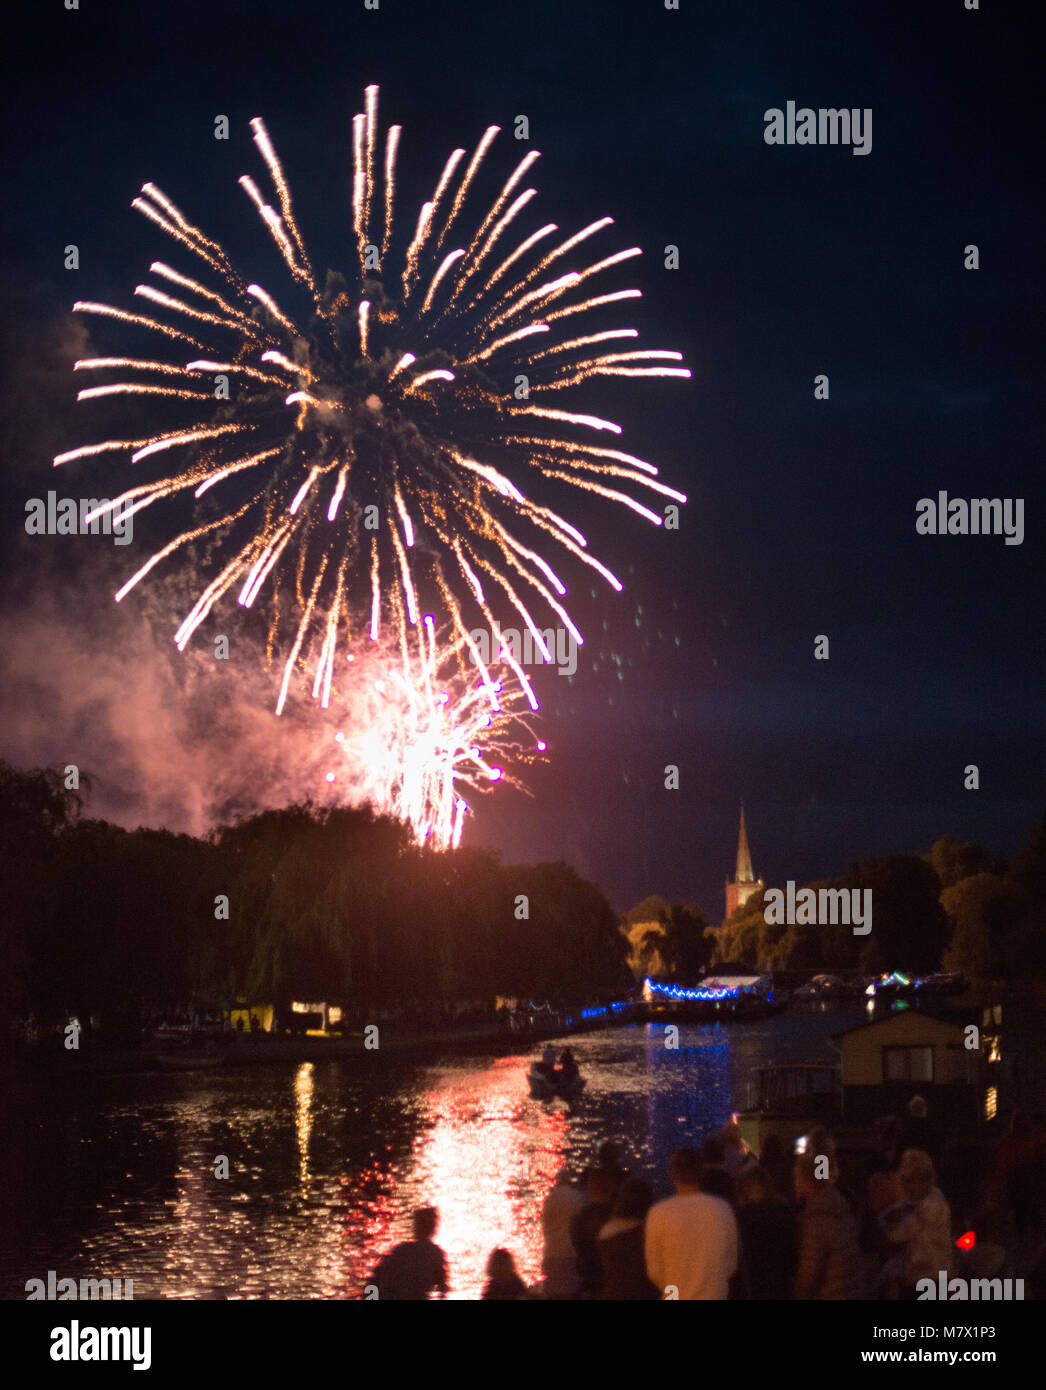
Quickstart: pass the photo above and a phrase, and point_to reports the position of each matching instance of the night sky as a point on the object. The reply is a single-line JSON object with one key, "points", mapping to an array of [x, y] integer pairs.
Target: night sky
{"points": [[794, 261]]}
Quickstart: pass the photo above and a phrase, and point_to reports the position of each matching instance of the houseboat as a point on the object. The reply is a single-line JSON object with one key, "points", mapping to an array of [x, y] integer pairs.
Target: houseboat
{"points": [[788, 1099], [953, 1063], [913, 1053], [716, 997]]}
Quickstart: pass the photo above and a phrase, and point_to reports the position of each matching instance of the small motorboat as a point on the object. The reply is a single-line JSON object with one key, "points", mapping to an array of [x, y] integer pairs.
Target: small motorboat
{"points": [[542, 1088]]}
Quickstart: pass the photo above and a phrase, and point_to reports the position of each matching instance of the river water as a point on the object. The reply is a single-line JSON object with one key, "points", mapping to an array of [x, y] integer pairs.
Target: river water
{"points": [[115, 1177]]}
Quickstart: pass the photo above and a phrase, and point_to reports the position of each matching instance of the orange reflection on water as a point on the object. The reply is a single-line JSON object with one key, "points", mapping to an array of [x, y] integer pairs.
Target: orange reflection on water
{"points": [[487, 1160], [303, 1084]]}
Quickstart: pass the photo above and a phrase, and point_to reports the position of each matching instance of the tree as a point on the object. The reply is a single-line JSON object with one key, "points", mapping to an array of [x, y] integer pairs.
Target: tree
{"points": [[686, 948], [1021, 946], [35, 809], [979, 909], [953, 859], [741, 936], [644, 926], [908, 923]]}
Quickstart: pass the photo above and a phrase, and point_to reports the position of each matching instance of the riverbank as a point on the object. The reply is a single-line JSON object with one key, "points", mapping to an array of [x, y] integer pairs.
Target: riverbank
{"points": [[265, 1049]]}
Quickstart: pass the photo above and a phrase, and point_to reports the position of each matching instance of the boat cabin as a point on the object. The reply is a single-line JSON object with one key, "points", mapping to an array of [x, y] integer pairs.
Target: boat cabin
{"points": [[911, 1053], [788, 1099]]}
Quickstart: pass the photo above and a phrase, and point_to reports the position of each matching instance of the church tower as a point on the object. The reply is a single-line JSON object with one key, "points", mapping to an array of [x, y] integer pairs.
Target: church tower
{"points": [[745, 882]]}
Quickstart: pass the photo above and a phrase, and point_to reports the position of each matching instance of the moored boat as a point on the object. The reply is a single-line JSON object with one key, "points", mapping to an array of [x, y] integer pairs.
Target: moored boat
{"points": [[717, 997], [788, 1099]]}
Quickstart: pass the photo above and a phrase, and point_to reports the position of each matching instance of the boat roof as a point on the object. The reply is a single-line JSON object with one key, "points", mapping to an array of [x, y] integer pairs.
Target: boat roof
{"points": [[925, 1015], [731, 981]]}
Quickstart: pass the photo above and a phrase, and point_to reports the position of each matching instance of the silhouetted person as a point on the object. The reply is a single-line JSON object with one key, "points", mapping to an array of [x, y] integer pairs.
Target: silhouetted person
{"points": [[915, 1129], [1018, 1172], [921, 1224], [600, 1192], [736, 1153], [776, 1161], [713, 1151], [961, 1170], [414, 1268], [769, 1242], [608, 1161], [620, 1245], [547, 1066], [882, 1189], [830, 1264], [717, 1182], [568, 1068], [559, 1258], [691, 1238], [884, 1186], [502, 1280]]}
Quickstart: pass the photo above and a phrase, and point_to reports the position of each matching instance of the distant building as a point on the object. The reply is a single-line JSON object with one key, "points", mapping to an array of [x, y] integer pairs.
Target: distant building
{"points": [[745, 884]]}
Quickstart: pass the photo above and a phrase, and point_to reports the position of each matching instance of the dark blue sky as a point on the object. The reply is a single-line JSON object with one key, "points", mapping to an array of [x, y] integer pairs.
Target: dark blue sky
{"points": [[794, 261]]}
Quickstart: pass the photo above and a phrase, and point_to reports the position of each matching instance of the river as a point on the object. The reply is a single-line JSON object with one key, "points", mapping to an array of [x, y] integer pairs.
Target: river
{"points": [[115, 1176]]}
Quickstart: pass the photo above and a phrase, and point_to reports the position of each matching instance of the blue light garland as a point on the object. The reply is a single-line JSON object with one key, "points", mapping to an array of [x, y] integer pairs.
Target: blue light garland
{"points": [[701, 995]]}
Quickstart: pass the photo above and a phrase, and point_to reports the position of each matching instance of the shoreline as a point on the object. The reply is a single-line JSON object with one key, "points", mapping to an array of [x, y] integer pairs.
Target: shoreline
{"points": [[102, 1060]]}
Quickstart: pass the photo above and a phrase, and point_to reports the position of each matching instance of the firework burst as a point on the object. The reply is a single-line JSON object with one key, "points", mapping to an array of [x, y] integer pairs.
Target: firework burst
{"points": [[420, 736], [366, 457]]}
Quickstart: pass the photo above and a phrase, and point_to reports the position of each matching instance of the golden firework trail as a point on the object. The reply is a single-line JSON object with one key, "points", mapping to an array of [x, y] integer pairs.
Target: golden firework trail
{"points": [[366, 446]]}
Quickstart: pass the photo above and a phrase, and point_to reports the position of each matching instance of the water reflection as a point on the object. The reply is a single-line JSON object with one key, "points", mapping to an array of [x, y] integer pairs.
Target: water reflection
{"points": [[487, 1161], [303, 1118], [328, 1160]]}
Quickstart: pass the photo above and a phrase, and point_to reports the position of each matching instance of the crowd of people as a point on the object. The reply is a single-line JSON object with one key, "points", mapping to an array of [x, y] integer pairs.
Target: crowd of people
{"points": [[780, 1225]]}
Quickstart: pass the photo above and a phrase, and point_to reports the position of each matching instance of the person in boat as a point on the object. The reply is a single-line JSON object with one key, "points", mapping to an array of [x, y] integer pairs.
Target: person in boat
{"points": [[569, 1070], [547, 1066]]}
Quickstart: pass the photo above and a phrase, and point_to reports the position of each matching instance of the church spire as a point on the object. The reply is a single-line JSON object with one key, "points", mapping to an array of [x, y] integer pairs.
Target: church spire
{"points": [[744, 857], [745, 885]]}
